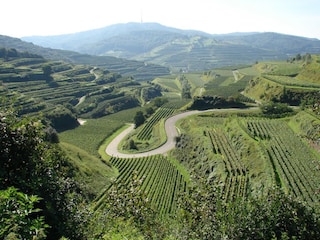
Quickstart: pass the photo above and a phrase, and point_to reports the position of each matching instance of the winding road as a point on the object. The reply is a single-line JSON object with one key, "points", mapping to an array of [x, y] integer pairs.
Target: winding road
{"points": [[171, 131]]}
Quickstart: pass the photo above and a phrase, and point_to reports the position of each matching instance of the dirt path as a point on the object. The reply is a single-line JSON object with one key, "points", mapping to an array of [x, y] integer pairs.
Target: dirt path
{"points": [[81, 100], [171, 131], [236, 75], [96, 76]]}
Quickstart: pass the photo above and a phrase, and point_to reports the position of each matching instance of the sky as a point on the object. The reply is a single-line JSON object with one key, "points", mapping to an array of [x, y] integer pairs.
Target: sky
{"points": [[21, 18]]}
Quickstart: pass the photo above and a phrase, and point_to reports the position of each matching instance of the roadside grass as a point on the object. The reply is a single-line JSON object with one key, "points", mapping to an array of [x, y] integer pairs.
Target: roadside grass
{"points": [[159, 130], [105, 143], [90, 135], [159, 138], [95, 173]]}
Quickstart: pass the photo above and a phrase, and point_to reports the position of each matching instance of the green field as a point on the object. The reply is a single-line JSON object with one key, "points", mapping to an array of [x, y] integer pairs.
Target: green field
{"points": [[93, 132]]}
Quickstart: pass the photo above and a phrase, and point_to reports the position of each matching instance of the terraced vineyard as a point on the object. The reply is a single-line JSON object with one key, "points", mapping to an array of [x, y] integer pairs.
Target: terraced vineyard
{"points": [[293, 82], [146, 131], [23, 78], [226, 86], [247, 155], [294, 165], [162, 181], [237, 176]]}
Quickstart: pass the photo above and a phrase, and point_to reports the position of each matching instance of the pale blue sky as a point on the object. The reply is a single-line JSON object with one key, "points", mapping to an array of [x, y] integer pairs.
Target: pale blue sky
{"points": [[50, 17]]}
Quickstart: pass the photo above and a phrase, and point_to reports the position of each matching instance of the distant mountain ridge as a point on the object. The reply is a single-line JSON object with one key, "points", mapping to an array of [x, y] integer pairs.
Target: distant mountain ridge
{"points": [[67, 41], [180, 49], [275, 42], [137, 69]]}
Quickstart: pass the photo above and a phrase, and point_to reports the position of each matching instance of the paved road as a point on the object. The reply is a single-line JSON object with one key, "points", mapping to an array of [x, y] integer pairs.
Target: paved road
{"points": [[171, 131]]}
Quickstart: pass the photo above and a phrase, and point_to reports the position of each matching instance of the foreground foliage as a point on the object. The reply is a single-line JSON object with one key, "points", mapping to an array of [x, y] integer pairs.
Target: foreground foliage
{"points": [[275, 216], [19, 217], [127, 206], [48, 195], [203, 214], [161, 191], [44, 177]]}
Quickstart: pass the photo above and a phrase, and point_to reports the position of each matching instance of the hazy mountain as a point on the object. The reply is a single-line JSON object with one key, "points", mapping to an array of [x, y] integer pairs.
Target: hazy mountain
{"points": [[75, 41], [180, 49], [275, 42], [138, 69]]}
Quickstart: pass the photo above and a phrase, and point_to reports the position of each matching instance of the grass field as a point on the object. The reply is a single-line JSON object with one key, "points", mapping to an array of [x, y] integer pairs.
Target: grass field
{"points": [[93, 171], [94, 131], [169, 82], [280, 68]]}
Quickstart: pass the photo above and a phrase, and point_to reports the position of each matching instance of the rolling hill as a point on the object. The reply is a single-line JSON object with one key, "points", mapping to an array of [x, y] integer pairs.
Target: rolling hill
{"points": [[139, 70], [180, 49]]}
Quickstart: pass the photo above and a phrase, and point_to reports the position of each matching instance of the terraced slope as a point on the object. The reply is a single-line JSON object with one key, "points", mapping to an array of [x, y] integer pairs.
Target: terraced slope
{"points": [[138, 69], [162, 182], [37, 84]]}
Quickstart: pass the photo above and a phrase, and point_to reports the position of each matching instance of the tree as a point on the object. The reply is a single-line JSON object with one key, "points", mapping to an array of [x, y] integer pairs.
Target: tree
{"points": [[149, 111], [197, 212], [307, 58], [130, 203], [62, 118], [159, 101], [20, 218], [139, 119], [275, 109], [37, 167], [132, 144], [298, 57], [47, 70], [185, 87], [274, 216]]}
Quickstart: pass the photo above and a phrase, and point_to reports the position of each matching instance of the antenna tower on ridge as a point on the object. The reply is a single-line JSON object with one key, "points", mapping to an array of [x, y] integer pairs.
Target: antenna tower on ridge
{"points": [[141, 19]]}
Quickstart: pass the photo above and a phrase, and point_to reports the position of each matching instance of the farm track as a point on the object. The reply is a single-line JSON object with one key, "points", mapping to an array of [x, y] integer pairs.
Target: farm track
{"points": [[171, 132]]}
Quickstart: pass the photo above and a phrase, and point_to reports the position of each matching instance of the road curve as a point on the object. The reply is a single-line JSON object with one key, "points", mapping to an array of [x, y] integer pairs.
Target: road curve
{"points": [[171, 131]]}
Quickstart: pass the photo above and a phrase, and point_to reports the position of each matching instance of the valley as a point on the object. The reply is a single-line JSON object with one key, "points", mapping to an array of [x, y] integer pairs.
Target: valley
{"points": [[188, 136]]}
